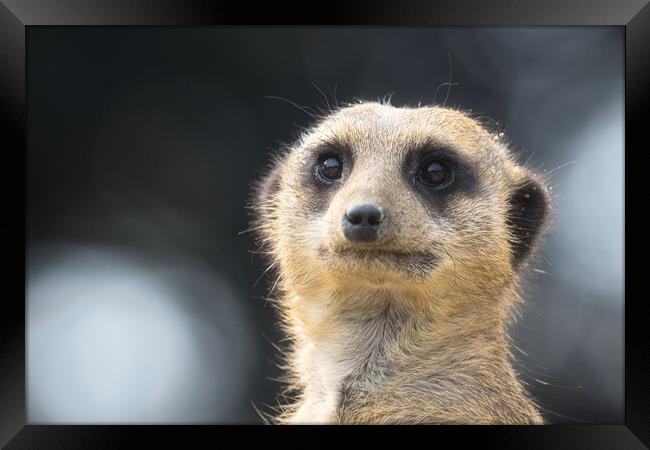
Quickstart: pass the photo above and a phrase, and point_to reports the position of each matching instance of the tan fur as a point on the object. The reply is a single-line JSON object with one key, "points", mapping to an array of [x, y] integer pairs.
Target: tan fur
{"points": [[397, 342]]}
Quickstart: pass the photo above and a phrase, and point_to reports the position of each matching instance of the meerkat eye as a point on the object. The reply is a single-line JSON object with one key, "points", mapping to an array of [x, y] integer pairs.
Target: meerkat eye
{"points": [[436, 173], [330, 168]]}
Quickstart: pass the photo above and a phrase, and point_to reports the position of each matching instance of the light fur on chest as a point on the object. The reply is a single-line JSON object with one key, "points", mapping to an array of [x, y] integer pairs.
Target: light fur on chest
{"points": [[351, 348]]}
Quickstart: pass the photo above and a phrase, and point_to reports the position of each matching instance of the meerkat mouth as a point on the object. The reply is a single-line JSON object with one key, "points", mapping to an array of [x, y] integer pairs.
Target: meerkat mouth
{"points": [[411, 264]]}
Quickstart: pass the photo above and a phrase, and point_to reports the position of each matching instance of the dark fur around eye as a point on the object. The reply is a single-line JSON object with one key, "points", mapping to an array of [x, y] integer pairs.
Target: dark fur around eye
{"points": [[328, 164], [321, 180], [438, 174]]}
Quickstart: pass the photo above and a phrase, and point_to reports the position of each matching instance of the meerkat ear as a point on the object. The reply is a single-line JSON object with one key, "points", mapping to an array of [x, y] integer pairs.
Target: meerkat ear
{"points": [[528, 214], [269, 184]]}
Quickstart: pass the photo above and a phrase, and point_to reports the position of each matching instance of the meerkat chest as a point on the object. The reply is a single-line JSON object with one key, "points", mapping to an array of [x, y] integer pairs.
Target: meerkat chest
{"points": [[323, 374], [330, 365]]}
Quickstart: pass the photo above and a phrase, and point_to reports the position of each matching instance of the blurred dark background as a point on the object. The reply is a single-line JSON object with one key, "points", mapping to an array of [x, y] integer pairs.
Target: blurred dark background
{"points": [[143, 304]]}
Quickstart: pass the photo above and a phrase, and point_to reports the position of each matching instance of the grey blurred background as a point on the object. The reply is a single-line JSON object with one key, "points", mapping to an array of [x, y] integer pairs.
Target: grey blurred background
{"points": [[142, 302]]}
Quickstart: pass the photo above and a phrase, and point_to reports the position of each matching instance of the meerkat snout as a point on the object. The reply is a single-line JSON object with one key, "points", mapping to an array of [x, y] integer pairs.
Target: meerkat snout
{"points": [[364, 222]]}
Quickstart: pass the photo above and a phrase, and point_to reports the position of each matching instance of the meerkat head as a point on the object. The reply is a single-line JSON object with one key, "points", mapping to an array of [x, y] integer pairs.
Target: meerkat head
{"points": [[376, 198]]}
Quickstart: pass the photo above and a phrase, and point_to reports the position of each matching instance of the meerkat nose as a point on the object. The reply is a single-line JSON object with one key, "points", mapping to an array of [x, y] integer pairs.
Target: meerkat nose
{"points": [[364, 222]]}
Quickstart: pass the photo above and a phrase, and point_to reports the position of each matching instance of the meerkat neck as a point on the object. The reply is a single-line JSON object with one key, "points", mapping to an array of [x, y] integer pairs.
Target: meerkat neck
{"points": [[390, 318], [374, 343]]}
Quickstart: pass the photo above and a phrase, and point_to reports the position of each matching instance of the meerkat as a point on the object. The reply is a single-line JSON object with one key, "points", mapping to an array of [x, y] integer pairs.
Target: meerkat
{"points": [[399, 236]]}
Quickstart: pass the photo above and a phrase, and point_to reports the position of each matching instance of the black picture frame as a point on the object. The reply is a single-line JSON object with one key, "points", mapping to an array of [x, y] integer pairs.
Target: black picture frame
{"points": [[18, 16]]}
